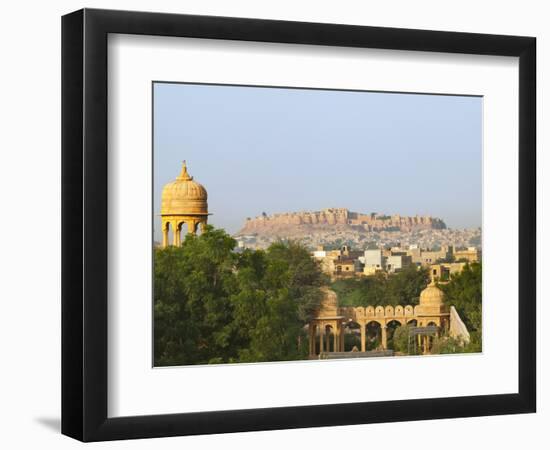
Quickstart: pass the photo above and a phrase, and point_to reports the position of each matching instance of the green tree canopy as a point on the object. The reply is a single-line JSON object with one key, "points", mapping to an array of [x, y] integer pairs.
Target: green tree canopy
{"points": [[401, 288], [214, 305], [464, 292]]}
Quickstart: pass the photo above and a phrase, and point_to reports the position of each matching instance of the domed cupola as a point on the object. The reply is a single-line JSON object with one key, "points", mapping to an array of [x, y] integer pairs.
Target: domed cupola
{"points": [[183, 201], [432, 295], [432, 300], [184, 196]]}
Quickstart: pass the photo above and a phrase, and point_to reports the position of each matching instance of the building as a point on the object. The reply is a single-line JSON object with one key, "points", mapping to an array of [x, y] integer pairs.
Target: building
{"points": [[374, 261], [319, 253], [415, 253], [339, 263], [444, 271], [396, 263], [429, 257], [471, 254], [184, 202], [344, 267], [331, 322]]}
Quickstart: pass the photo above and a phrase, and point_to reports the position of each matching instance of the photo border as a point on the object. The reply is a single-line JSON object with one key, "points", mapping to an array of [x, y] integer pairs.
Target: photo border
{"points": [[84, 224], [260, 86]]}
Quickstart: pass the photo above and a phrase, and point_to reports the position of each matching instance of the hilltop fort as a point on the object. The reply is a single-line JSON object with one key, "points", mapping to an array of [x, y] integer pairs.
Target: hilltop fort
{"points": [[343, 217]]}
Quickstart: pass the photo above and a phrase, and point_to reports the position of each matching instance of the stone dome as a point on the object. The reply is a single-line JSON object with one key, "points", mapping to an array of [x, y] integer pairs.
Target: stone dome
{"points": [[432, 296], [183, 196], [329, 302]]}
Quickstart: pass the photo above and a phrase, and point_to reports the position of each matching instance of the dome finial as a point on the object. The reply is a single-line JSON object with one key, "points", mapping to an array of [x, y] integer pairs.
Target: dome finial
{"points": [[184, 175]]}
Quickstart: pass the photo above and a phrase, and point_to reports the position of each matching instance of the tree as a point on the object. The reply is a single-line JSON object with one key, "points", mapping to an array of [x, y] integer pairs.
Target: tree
{"points": [[193, 284], [404, 287], [404, 343], [464, 292], [213, 305], [445, 345], [401, 288], [286, 293]]}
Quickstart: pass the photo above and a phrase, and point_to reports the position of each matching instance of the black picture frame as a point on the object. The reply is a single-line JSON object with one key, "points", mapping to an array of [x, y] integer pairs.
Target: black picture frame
{"points": [[84, 224]]}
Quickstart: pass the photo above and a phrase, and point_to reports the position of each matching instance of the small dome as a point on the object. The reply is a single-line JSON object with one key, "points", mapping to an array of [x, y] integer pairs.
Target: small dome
{"points": [[432, 295], [329, 303], [184, 196]]}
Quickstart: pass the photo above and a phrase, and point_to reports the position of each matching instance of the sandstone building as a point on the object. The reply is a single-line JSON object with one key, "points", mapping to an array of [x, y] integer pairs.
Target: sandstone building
{"points": [[341, 216], [184, 202], [331, 323]]}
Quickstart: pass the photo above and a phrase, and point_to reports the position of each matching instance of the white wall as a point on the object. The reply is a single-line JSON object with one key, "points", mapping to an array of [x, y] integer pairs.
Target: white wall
{"points": [[30, 199]]}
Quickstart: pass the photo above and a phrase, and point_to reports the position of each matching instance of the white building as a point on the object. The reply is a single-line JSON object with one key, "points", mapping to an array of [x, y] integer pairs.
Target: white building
{"points": [[319, 254], [374, 259], [395, 263]]}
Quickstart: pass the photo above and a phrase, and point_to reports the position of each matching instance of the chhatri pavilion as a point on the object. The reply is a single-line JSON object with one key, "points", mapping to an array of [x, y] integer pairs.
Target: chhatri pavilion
{"points": [[184, 201], [430, 317]]}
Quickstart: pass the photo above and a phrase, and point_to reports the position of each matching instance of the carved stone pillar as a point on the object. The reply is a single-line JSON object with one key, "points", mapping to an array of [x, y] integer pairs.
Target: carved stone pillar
{"points": [[363, 337], [164, 235], [311, 340], [191, 226], [176, 239], [384, 337]]}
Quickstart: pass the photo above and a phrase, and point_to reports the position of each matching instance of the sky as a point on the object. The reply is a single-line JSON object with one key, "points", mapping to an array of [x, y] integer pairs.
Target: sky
{"points": [[258, 149]]}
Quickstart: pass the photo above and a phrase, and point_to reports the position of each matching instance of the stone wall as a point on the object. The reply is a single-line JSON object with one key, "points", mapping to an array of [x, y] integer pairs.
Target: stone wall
{"points": [[341, 216], [457, 329]]}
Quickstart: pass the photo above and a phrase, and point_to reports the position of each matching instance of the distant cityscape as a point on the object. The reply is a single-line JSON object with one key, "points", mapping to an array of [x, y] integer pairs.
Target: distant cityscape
{"points": [[347, 262], [332, 229]]}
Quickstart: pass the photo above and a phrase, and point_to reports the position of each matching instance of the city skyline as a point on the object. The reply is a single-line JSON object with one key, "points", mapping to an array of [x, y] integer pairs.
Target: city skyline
{"points": [[280, 150]]}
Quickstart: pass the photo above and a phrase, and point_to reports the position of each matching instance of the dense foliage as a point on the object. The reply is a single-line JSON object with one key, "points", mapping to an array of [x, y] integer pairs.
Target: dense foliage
{"points": [[214, 305], [403, 343], [402, 288], [464, 292]]}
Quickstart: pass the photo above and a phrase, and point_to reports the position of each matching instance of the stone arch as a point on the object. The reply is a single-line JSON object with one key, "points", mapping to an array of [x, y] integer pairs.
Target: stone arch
{"points": [[412, 322], [352, 336], [373, 329], [183, 227], [431, 339], [369, 311], [330, 336], [319, 338], [409, 310], [398, 310], [389, 311], [379, 311], [391, 326]]}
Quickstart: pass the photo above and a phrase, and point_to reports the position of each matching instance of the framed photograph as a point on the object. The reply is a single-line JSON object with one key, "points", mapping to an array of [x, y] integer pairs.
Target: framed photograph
{"points": [[272, 224]]}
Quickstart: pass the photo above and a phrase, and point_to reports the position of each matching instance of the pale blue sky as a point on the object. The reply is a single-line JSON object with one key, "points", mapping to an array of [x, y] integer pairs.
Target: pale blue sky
{"points": [[275, 150]]}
